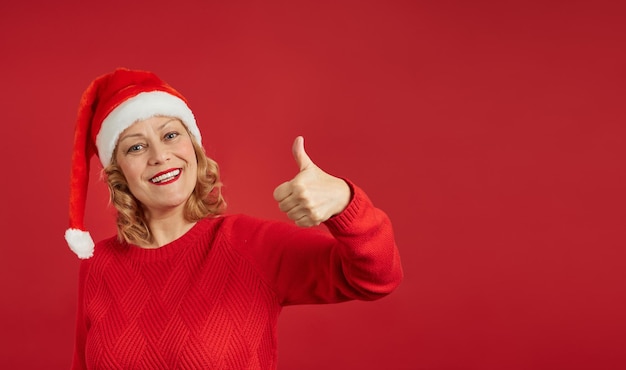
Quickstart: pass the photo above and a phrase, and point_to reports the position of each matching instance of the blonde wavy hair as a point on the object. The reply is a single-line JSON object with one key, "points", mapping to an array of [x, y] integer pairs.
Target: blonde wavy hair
{"points": [[205, 200]]}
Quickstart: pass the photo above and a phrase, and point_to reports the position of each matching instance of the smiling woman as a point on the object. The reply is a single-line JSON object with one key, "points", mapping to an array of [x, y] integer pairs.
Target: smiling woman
{"points": [[159, 163], [147, 147], [182, 285]]}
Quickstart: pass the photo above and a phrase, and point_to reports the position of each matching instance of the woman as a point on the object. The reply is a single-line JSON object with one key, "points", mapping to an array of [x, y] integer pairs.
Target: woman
{"points": [[182, 285]]}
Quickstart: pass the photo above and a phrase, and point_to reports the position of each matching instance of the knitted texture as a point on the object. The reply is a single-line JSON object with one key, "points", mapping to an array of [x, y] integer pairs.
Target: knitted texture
{"points": [[211, 299]]}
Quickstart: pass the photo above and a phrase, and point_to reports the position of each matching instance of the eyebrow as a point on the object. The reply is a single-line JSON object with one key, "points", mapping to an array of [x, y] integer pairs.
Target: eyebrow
{"points": [[141, 135]]}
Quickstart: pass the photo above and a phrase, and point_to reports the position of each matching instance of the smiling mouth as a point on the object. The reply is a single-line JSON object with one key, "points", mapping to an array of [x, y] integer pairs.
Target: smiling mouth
{"points": [[166, 177]]}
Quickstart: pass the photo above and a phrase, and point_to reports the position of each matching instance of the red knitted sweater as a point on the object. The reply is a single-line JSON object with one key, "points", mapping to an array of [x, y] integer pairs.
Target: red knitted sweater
{"points": [[211, 299]]}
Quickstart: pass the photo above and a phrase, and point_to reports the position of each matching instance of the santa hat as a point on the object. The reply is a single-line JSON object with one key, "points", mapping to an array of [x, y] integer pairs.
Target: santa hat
{"points": [[111, 104]]}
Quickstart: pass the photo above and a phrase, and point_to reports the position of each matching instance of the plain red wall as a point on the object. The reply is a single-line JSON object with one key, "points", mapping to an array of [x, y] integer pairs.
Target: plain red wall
{"points": [[492, 133]]}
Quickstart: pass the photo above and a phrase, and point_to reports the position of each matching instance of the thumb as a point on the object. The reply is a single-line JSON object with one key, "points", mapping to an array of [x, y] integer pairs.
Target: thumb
{"points": [[299, 154]]}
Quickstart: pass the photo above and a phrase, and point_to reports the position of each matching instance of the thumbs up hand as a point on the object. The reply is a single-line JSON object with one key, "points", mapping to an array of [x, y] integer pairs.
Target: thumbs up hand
{"points": [[312, 196]]}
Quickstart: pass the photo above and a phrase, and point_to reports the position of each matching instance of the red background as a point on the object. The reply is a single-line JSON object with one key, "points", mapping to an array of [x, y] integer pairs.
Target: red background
{"points": [[492, 133]]}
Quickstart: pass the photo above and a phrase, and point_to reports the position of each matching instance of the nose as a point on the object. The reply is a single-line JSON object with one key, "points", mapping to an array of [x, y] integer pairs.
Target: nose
{"points": [[158, 154]]}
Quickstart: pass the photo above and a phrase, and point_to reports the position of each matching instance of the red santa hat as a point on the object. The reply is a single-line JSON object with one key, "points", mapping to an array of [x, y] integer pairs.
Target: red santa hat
{"points": [[112, 103]]}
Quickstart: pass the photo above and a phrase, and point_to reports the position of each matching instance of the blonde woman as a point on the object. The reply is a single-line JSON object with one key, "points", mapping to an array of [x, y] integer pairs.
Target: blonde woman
{"points": [[182, 284]]}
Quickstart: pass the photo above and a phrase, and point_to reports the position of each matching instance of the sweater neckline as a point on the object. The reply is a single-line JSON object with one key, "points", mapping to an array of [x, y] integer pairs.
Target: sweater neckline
{"points": [[172, 248]]}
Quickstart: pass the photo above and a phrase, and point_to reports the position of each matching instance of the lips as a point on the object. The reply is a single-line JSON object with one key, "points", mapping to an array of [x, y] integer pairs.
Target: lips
{"points": [[166, 177]]}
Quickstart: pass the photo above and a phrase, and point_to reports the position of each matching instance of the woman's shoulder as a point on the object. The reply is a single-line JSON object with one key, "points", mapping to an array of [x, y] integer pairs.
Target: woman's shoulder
{"points": [[234, 219], [106, 247], [241, 222], [243, 231], [106, 244]]}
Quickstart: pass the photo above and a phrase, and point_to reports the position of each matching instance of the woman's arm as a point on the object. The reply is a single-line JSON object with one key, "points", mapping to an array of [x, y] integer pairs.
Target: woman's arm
{"points": [[356, 258]]}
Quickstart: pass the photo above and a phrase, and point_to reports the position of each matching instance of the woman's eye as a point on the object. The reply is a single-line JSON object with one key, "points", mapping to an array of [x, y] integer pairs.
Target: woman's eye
{"points": [[135, 148], [171, 135]]}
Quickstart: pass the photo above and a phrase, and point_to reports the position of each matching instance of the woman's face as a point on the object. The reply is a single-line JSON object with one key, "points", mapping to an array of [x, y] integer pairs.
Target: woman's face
{"points": [[158, 160]]}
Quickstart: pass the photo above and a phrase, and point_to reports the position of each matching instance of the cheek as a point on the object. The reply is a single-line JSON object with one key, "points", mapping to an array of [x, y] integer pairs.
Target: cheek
{"points": [[193, 165], [131, 172], [189, 153]]}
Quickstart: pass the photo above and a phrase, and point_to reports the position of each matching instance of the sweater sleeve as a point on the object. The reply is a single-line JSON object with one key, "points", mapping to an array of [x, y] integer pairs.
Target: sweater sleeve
{"points": [[356, 258], [81, 320]]}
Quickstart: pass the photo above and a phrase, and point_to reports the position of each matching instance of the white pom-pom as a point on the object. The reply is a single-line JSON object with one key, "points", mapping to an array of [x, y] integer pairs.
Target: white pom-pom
{"points": [[80, 242]]}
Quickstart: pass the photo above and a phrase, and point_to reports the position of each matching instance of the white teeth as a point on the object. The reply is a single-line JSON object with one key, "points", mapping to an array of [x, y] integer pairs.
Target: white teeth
{"points": [[165, 176]]}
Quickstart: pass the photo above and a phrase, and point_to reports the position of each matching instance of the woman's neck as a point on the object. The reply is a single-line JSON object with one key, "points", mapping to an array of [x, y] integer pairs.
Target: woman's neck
{"points": [[166, 227]]}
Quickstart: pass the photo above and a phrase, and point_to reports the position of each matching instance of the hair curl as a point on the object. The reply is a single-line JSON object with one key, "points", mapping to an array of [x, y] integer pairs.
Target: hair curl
{"points": [[205, 200]]}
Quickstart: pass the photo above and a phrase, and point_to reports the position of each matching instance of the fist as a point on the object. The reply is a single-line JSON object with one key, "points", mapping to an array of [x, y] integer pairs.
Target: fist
{"points": [[312, 196]]}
